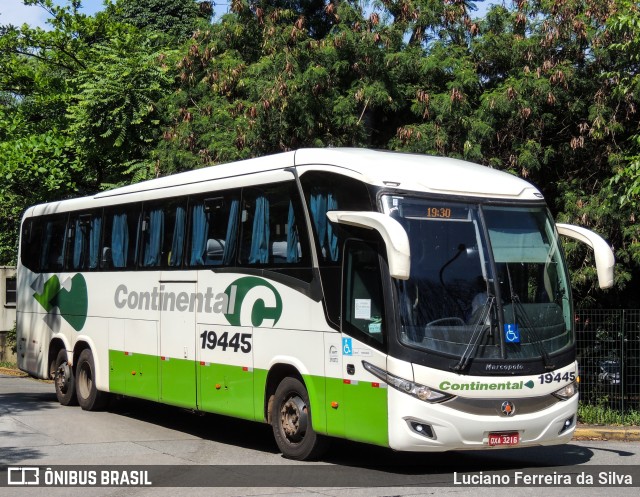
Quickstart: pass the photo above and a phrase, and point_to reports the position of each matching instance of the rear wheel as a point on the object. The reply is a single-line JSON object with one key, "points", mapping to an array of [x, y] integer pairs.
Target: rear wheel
{"points": [[89, 397], [64, 381], [291, 422]]}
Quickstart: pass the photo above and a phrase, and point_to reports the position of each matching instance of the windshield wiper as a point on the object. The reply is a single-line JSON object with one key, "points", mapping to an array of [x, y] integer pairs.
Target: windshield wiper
{"points": [[479, 330], [527, 324]]}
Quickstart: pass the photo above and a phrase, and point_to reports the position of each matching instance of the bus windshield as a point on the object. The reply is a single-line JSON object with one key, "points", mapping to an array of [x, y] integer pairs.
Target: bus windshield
{"points": [[486, 282]]}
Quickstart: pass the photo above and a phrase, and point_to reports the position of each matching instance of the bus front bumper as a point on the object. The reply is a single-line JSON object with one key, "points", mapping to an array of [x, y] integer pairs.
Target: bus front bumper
{"points": [[422, 427]]}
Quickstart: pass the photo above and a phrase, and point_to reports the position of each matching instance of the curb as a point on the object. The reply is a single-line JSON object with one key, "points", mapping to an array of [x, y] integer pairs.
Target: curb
{"points": [[626, 434]]}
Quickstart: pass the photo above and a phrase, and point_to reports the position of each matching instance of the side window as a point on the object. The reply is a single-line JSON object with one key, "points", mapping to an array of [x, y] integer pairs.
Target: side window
{"points": [[163, 234], [323, 192], [273, 227], [53, 244], [326, 192], [363, 303], [213, 230], [121, 229], [31, 243], [83, 241]]}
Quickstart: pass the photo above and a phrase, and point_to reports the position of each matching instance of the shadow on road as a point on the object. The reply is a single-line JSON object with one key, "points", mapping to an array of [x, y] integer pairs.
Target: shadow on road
{"points": [[257, 436]]}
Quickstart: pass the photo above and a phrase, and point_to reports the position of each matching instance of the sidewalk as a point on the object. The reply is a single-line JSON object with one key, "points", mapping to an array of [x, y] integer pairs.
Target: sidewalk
{"points": [[597, 432]]}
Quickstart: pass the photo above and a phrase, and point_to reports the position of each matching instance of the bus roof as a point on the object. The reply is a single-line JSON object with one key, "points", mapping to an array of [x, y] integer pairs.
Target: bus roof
{"points": [[423, 173], [407, 172]]}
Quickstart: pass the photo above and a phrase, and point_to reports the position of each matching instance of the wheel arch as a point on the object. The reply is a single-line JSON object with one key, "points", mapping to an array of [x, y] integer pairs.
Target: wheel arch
{"points": [[84, 342], [55, 346], [277, 373]]}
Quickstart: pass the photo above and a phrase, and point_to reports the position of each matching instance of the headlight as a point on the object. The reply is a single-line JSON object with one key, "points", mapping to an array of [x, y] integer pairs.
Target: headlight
{"points": [[567, 391], [416, 390]]}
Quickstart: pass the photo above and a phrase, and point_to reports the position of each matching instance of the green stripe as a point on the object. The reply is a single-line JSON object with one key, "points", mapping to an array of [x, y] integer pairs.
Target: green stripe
{"points": [[360, 413]]}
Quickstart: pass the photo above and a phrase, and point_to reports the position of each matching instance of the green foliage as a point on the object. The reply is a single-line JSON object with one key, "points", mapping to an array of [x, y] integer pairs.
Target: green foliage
{"points": [[114, 117], [604, 415], [171, 19], [545, 89], [11, 336]]}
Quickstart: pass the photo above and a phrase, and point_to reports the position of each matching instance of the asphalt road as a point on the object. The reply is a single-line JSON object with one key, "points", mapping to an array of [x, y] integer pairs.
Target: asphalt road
{"points": [[241, 458]]}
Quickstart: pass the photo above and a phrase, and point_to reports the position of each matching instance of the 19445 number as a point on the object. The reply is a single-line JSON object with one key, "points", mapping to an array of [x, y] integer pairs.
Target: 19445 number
{"points": [[238, 341]]}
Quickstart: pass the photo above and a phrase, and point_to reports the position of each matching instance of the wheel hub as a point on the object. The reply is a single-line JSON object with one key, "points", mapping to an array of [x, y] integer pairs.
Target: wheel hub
{"points": [[294, 419], [61, 377]]}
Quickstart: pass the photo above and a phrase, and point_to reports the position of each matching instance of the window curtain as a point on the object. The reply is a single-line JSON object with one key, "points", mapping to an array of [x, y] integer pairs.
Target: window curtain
{"points": [[94, 241], [78, 245], [320, 204], [199, 233], [177, 244], [259, 253], [232, 232], [46, 246], [292, 235], [119, 240], [155, 235]]}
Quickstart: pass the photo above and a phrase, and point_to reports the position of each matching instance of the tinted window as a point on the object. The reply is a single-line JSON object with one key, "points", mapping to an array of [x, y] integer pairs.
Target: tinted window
{"points": [[83, 241], [213, 230], [31, 243], [53, 244], [272, 227], [363, 304], [163, 234], [121, 227], [325, 192]]}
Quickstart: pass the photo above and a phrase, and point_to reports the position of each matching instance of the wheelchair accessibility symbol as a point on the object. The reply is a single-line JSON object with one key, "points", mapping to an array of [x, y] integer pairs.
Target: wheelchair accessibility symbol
{"points": [[511, 333], [347, 346]]}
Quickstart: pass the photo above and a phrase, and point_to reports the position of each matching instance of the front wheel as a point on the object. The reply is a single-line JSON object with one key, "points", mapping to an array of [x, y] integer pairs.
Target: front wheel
{"points": [[64, 380], [291, 422], [89, 397]]}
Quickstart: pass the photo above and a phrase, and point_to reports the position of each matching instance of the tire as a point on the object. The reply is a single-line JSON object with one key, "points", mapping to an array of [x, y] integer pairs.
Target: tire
{"points": [[64, 380], [89, 397], [292, 423]]}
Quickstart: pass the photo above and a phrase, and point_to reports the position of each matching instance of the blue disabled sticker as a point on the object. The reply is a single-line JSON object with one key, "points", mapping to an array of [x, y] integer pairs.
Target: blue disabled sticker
{"points": [[347, 348], [511, 333]]}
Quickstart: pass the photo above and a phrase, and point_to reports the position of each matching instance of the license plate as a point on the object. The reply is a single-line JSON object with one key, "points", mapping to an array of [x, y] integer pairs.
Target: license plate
{"points": [[511, 438]]}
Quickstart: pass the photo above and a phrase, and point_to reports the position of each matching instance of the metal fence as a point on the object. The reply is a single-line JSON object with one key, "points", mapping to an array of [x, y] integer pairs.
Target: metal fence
{"points": [[609, 357]]}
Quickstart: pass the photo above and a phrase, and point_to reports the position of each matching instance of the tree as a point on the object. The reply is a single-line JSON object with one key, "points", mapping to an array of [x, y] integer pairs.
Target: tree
{"points": [[175, 20]]}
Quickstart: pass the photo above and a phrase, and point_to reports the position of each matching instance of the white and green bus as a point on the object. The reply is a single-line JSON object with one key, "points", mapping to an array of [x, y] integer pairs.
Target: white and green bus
{"points": [[412, 302]]}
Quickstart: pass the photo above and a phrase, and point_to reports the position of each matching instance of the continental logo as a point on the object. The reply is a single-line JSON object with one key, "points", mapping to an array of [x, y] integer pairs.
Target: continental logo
{"points": [[478, 385], [69, 297], [248, 301]]}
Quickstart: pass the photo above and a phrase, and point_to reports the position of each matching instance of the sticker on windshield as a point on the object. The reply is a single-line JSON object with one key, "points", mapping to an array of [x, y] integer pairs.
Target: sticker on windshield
{"points": [[362, 309], [511, 333]]}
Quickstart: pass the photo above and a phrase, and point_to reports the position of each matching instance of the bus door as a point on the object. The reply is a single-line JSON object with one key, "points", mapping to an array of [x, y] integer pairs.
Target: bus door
{"points": [[364, 399], [177, 339]]}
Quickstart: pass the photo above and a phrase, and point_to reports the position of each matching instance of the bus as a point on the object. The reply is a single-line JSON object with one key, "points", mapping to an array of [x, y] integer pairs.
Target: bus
{"points": [[413, 302]]}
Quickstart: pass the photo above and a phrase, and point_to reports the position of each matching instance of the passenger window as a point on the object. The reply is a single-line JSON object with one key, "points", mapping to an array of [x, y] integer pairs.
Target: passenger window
{"points": [[163, 234], [31, 243], [83, 244], [213, 230], [363, 304], [53, 243], [272, 222], [121, 231], [326, 192]]}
